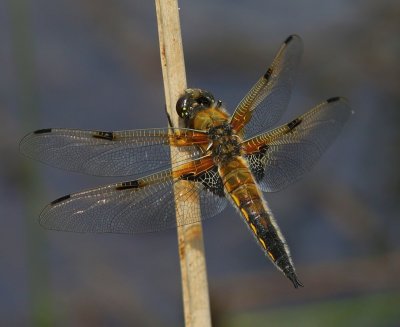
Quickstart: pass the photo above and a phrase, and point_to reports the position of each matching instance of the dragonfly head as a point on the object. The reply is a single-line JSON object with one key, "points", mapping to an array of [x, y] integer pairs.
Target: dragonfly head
{"points": [[192, 101]]}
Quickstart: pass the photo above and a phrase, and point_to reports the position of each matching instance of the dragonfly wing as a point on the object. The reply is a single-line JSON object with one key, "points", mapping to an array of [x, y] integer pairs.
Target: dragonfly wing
{"points": [[141, 205], [122, 153], [266, 101], [279, 157]]}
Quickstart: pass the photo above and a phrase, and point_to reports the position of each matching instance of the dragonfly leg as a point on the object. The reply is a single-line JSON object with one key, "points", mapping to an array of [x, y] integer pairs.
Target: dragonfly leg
{"points": [[168, 117]]}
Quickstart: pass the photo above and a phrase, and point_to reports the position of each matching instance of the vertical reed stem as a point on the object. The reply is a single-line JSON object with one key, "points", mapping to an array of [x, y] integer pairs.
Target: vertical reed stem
{"points": [[190, 238]]}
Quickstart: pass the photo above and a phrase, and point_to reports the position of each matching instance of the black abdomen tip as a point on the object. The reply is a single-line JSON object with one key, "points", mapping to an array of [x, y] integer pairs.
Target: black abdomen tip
{"points": [[294, 279]]}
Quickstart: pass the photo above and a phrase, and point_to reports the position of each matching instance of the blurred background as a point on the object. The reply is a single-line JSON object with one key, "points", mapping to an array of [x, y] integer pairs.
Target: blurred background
{"points": [[94, 64]]}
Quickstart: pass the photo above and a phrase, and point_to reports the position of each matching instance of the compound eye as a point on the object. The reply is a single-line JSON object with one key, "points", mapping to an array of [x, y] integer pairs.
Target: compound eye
{"points": [[206, 100], [181, 106]]}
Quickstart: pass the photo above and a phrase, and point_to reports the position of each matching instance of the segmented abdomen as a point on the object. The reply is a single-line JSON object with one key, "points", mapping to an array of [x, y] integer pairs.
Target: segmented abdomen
{"points": [[239, 183]]}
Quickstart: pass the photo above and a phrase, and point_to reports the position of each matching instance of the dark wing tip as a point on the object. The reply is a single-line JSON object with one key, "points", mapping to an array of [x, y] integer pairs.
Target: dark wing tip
{"points": [[291, 37], [333, 99], [342, 99], [65, 197], [42, 131], [288, 39], [295, 280]]}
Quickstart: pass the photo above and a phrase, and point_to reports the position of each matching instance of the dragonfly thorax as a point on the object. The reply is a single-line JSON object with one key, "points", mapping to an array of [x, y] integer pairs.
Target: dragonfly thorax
{"points": [[225, 144]]}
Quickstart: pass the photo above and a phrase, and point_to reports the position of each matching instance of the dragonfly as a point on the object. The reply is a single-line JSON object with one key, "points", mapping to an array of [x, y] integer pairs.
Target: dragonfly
{"points": [[216, 157]]}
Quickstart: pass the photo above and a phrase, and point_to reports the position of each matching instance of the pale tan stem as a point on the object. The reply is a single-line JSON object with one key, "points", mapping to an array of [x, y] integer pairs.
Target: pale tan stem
{"points": [[190, 237]]}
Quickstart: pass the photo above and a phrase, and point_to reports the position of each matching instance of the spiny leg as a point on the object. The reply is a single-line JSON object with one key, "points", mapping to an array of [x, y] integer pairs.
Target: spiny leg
{"points": [[168, 117]]}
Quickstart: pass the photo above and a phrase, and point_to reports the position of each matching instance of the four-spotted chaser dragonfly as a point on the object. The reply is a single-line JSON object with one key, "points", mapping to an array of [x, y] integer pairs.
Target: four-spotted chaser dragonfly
{"points": [[221, 158]]}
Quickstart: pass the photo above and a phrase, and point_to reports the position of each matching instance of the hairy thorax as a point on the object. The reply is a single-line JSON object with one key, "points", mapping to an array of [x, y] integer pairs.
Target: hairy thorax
{"points": [[225, 144]]}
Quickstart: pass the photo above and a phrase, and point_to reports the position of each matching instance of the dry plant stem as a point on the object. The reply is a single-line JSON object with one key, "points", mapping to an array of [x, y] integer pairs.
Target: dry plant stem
{"points": [[190, 237]]}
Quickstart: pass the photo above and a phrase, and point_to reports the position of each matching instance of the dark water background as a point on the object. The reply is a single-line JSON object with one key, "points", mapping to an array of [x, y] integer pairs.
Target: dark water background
{"points": [[94, 64]]}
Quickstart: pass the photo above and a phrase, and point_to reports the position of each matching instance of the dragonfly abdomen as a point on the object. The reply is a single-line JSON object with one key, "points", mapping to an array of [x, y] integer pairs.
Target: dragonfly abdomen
{"points": [[239, 183], [271, 240]]}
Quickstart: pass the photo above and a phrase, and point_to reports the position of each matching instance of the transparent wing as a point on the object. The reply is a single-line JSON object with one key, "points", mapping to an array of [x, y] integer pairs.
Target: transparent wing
{"points": [[279, 157], [123, 153], [142, 205], [265, 103]]}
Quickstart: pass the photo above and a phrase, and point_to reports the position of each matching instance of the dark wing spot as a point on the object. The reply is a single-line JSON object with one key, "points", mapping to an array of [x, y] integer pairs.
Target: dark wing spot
{"points": [[65, 197], [263, 149], [128, 185], [210, 180], [334, 99], [268, 74], [293, 124], [256, 162], [188, 176], [104, 135], [42, 131]]}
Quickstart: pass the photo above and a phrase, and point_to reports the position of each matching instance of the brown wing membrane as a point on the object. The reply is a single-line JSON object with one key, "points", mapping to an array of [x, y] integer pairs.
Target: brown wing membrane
{"points": [[141, 205], [279, 157], [264, 104], [122, 153]]}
